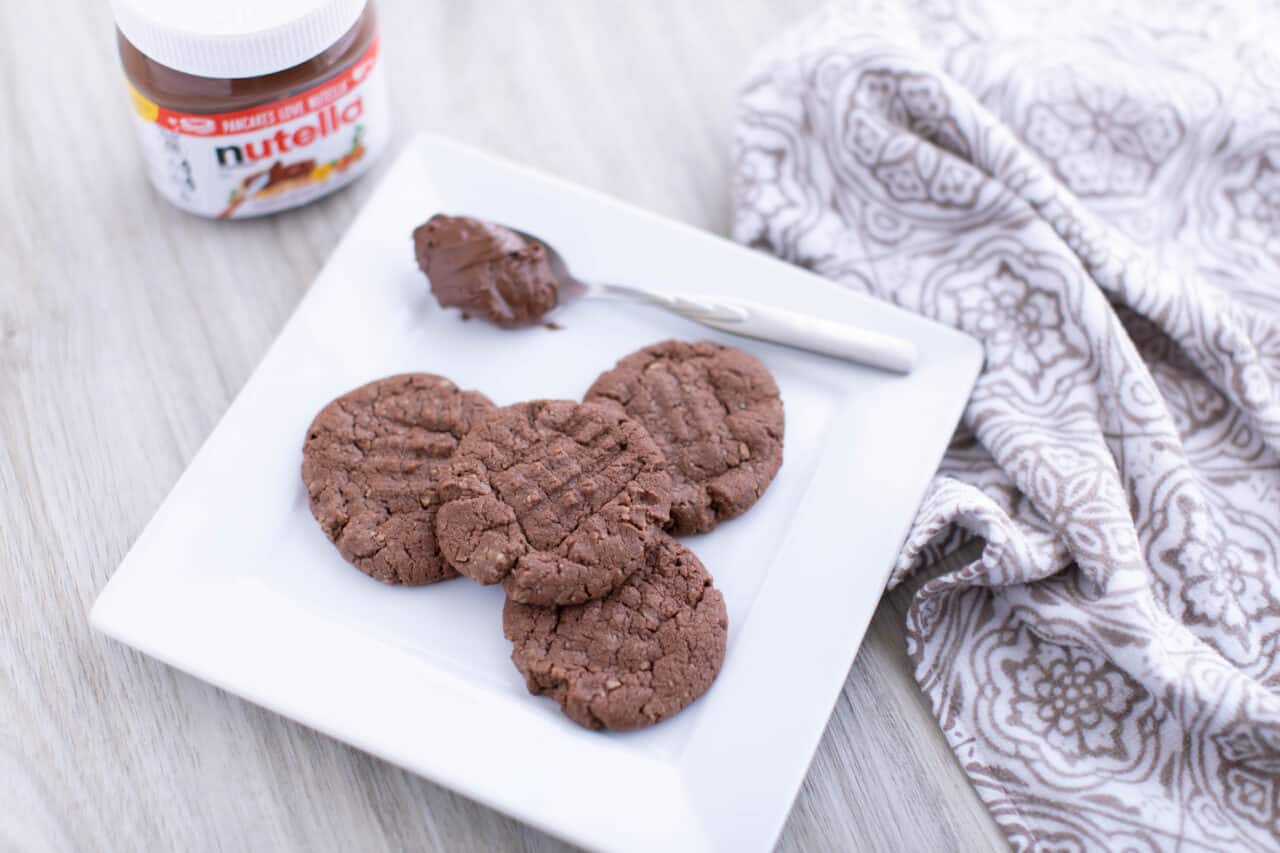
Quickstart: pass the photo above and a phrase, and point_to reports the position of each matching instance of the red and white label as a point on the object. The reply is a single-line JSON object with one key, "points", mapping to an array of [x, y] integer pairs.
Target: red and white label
{"points": [[269, 157]]}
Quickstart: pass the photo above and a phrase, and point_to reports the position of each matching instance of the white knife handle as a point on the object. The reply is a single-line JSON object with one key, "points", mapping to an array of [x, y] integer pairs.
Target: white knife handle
{"points": [[780, 326]]}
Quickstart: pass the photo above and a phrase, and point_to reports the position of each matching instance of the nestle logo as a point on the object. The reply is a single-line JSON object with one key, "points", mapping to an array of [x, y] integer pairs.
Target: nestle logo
{"points": [[198, 124]]}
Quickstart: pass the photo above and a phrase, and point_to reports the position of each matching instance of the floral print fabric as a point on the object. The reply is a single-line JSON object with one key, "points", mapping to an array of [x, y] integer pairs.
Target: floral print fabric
{"points": [[1094, 193]]}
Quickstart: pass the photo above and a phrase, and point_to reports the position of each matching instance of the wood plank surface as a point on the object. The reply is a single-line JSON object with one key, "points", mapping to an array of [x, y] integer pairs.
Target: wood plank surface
{"points": [[126, 329]]}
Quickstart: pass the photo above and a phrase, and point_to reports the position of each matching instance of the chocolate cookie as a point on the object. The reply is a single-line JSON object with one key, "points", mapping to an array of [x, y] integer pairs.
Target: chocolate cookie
{"points": [[630, 659], [371, 462], [715, 412], [556, 499]]}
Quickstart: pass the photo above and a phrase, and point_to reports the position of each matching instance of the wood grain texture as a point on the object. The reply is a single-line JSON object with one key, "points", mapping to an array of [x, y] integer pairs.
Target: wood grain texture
{"points": [[126, 329]]}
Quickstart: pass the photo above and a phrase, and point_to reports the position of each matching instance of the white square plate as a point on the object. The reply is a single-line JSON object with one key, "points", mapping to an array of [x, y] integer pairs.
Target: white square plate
{"points": [[233, 581]]}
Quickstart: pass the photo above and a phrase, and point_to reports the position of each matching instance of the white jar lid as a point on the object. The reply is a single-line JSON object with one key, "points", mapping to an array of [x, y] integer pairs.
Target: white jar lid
{"points": [[234, 38]]}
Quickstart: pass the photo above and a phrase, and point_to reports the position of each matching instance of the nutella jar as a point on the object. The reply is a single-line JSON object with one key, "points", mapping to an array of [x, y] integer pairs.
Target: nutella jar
{"points": [[248, 107]]}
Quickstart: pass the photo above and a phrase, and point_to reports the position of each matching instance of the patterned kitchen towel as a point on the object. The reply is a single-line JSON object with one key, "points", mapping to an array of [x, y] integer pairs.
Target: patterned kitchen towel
{"points": [[1094, 192]]}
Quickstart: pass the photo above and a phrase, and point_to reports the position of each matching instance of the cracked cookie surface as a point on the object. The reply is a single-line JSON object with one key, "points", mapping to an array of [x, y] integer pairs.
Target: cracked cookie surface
{"points": [[555, 499], [633, 658], [371, 464], [717, 415]]}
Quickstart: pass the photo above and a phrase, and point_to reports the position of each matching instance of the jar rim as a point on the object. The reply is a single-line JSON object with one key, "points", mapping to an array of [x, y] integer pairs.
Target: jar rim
{"points": [[234, 38]]}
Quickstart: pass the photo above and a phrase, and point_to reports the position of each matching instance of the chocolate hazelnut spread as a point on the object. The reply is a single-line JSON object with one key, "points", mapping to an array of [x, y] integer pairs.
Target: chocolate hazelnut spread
{"points": [[261, 107], [486, 270]]}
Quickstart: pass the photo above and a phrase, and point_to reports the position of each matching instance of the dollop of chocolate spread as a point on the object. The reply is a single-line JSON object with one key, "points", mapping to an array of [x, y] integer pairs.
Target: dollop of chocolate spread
{"points": [[486, 270]]}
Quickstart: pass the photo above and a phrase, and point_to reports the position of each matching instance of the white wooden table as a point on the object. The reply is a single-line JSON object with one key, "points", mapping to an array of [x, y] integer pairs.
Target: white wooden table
{"points": [[127, 328]]}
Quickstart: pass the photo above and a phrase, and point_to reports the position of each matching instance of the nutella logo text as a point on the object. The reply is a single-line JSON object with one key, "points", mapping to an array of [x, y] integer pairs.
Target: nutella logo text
{"points": [[272, 155], [328, 121]]}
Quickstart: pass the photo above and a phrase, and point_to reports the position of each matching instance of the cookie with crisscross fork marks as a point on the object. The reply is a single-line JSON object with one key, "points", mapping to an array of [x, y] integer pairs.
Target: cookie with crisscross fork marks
{"points": [[717, 415], [371, 463], [555, 499], [634, 657]]}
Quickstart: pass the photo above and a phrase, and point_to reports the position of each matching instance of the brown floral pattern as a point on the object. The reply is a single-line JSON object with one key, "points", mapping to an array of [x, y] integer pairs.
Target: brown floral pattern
{"points": [[1237, 214], [1097, 198], [1255, 201], [1101, 140], [896, 126], [1076, 704]]}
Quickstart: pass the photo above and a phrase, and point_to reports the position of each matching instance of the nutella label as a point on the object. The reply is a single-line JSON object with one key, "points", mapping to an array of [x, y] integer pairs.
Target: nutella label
{"points": [[269, 157]]}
